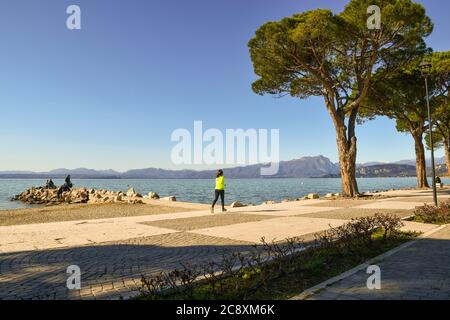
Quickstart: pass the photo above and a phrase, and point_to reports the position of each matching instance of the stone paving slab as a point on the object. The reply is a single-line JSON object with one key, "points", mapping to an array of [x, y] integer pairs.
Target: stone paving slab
{"points": [[417, 227], [420, 199], [391, 205], [59, 235], [279, 212], [344, 203], [352, 213], [77, 233], [418, 271], [213, 220], [272, 229]]}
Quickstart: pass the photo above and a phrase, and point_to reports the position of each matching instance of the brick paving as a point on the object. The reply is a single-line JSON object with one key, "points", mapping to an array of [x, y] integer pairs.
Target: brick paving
{"points": [[110, 270]]}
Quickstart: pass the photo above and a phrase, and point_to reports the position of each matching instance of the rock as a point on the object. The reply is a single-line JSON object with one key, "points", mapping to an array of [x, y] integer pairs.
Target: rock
{"points": [[313, 196], [329, 195], [135, 201], [153, 195], [269, 202], [131, 192], [80, 195], [286, 200], [171, 198], [337, 194], [237, 204], [49, 196]]}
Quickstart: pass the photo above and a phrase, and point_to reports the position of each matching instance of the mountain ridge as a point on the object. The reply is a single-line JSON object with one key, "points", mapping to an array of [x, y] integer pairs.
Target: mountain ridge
{"points": [[304, 167]]}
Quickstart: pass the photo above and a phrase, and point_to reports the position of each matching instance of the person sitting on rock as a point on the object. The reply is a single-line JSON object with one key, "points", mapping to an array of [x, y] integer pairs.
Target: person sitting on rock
{"points": [[65, 187], [438, 182], [68, 183], [50, 184]]}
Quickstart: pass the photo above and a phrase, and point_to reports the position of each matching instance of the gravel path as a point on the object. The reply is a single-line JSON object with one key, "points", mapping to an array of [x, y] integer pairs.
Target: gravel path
{"points": [[85, 212]]}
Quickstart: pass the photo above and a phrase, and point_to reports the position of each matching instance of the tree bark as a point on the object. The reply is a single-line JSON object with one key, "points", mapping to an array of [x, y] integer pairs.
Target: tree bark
{"points": [[346, 145], [421, 168], [447, 154], [347, 159]]}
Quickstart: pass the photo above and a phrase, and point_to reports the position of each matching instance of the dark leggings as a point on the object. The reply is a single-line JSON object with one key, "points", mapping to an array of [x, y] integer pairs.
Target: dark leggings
{"points": [[218, 193]]}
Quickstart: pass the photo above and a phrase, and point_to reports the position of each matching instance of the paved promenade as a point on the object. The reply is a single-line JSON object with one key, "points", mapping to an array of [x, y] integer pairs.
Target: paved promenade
{"points": [[113, 253]]}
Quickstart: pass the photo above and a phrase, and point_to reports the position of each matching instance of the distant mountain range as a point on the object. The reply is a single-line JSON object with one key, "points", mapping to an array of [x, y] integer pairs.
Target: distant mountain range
{"points": [[305, 167], [411, 162]]}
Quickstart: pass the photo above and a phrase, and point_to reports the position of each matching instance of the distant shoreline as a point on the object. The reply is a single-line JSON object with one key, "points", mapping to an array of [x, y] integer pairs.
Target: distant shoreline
{"points": [[306, 167]]}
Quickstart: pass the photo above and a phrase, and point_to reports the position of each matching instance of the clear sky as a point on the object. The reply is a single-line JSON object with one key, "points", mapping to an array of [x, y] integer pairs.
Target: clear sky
{"points": [[110, 95]]}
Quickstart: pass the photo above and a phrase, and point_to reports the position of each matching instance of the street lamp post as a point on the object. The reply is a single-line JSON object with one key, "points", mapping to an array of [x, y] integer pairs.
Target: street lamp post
{"points": [[425, 66]]}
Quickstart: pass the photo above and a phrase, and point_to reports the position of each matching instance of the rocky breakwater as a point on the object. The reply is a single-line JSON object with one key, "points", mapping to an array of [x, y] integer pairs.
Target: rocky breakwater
{"points": [[44, 196]]}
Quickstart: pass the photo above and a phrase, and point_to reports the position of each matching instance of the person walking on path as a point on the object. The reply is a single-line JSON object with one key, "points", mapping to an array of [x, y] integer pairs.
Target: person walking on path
{"points": [[219, 190]]}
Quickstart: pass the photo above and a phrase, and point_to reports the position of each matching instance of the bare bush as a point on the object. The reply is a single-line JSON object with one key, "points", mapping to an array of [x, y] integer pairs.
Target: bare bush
{"points": [[432, 214], [237, 274]]}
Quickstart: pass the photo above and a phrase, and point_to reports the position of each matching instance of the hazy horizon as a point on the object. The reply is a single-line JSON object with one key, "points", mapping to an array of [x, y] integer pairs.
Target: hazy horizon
{"points": [[210, 167]]}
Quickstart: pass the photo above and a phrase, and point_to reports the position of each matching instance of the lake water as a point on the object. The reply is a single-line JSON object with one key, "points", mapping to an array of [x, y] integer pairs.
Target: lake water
{"points": [[201, 191]]}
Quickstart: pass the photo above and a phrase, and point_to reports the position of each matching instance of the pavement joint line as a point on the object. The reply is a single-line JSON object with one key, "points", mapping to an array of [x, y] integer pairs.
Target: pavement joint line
{"points": [[323, 285]]}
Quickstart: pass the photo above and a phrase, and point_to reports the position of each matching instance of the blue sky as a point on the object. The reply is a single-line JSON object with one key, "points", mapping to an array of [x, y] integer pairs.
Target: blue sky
{"points": [[110, 95]]}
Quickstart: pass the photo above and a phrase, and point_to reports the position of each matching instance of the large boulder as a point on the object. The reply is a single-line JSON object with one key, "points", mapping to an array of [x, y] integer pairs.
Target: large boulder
{"points": [[237, 204], [153, 195], [170, 198], [135, 201], [313, 196], [78, 196], [131, 192]]}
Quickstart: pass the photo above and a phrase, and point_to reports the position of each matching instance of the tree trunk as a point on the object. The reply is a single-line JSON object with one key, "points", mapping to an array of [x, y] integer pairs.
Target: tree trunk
{"points": [[447, 154], [421, 168], [347, 160], [346, 144]]}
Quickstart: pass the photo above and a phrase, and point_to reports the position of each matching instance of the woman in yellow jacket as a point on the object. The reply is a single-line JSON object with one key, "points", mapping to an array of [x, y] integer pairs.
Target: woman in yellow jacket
{"points": [[219, 190]]}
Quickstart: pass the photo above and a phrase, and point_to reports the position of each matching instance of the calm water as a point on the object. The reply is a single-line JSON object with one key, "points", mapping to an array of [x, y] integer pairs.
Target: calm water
{"points": [[194, 190]]}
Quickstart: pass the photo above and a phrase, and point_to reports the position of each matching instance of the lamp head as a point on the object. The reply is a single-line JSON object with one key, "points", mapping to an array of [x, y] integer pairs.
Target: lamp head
{"points": [[425, 65]]}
